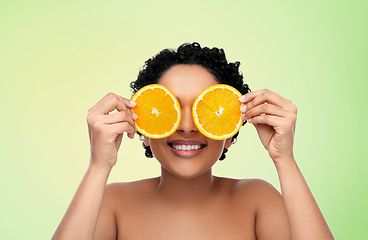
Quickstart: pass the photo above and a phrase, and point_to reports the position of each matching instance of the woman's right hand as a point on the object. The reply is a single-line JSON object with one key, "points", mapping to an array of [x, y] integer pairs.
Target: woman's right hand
{"points": [[106, 130]]}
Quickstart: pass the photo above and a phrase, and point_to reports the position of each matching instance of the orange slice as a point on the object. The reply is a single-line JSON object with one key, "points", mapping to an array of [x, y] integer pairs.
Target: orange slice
{"points": [[158, 111], [216, 112]]}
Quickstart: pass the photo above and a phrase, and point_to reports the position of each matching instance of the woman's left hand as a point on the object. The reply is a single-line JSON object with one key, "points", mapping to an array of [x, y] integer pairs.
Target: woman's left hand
{"points": [[274, 117]]}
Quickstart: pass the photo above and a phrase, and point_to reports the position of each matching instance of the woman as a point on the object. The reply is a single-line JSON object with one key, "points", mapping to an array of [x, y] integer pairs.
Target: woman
{"points": [[187, 201]]}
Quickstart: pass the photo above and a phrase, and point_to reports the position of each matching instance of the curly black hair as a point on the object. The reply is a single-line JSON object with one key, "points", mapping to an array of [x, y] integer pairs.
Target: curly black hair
{"points": [[212, 59]]}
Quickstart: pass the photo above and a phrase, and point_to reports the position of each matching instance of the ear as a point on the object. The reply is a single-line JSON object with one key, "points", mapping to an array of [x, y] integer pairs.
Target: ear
{"points": [[228, 143], [146, 141]]}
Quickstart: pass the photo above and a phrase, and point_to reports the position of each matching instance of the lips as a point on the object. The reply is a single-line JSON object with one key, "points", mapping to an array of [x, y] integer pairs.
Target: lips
{"points": [[186, 148]]}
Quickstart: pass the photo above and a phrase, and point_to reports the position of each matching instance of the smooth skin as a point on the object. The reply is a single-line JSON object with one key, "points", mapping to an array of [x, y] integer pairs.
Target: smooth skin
{"points": [[187, 201]]}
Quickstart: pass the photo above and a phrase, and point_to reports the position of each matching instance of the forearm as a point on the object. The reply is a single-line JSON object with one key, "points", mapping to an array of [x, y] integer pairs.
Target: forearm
{"points": [[79, 221], [305, 218]]}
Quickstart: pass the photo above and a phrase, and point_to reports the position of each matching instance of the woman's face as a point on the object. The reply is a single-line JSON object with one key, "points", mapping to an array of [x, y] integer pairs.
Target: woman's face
{"points": [[187, 82]]}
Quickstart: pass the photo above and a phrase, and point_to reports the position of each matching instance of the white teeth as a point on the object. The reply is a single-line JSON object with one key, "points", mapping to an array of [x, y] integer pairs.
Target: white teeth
{"points": [[186, 147]]}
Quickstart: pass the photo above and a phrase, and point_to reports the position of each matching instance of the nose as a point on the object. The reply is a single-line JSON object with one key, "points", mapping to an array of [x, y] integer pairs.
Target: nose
{"points": [[186, 123]]}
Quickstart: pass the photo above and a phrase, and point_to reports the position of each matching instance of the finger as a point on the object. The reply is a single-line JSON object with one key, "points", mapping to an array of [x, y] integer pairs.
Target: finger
{"points": [[129, 103], [280, 124], [100, 102], [263, 96], [250, 96], [256, 98], [265, 108], [270, 120], [119, 117], [111, 102], [123, 104], [122, 127], [130, 135]]}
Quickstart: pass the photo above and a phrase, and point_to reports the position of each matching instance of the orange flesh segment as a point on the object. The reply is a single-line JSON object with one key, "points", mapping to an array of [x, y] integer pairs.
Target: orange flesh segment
{"points": [[157, 112], [218, 112]]}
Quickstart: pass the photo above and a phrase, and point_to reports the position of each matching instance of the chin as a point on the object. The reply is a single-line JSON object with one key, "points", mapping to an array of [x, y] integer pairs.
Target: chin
{"points": [[188, 171], [188, 176]]}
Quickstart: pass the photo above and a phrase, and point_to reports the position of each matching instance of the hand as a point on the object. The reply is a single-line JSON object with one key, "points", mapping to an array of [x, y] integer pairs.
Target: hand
{"points": [[274, 117], [106, 130]]}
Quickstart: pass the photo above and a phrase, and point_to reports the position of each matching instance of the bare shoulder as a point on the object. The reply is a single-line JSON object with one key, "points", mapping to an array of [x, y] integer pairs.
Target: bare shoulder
{"points": [[256, 188], [267, 205], [117, 199], [264, 202], [128, 191], [255, 193], [139, 184]]}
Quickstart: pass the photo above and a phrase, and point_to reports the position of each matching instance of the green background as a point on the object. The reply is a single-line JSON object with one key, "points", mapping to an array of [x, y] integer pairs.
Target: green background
{"points": [[58, 58]]}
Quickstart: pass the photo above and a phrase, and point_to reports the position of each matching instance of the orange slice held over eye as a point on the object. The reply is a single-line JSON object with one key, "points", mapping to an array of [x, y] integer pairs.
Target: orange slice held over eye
{"points": [[158, 111], [216, 112]]}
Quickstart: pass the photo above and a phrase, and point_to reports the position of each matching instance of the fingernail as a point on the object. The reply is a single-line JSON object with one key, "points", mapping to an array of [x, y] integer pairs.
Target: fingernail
{"points": [[243, 117], [243, 108], [133, 103], [242, 98], [135, 116]]}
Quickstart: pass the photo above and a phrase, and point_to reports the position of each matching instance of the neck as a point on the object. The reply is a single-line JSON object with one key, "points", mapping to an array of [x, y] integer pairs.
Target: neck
{"points": [[185, 191]]}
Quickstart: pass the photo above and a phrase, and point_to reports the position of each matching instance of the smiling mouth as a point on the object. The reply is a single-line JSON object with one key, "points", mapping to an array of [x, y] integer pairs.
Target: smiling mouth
{"points": [[186, 147]]}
